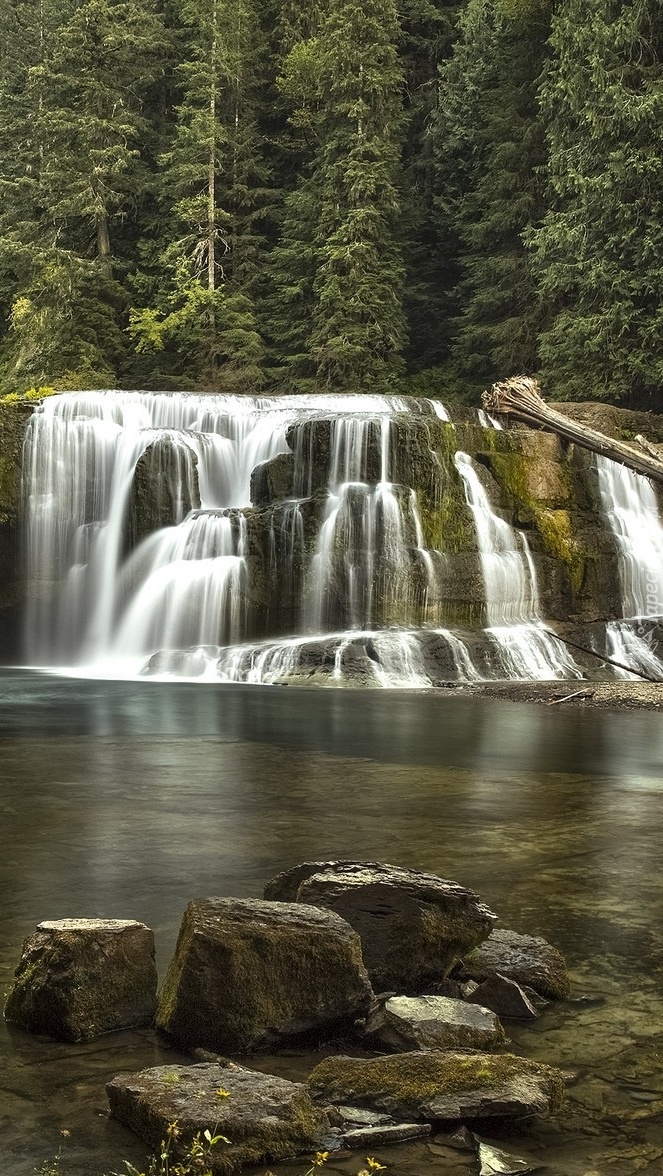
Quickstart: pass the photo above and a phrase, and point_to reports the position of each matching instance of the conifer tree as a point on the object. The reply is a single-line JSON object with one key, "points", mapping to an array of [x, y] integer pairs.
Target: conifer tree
{"points": [[214, 188], [598, 252], [489, 152]]}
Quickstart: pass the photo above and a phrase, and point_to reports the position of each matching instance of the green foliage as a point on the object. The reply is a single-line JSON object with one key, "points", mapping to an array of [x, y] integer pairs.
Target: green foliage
{"points": [[598, 251]]}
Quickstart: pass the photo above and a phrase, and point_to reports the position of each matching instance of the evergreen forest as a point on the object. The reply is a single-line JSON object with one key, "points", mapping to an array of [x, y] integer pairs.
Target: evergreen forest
{"points": [[421, 196]]}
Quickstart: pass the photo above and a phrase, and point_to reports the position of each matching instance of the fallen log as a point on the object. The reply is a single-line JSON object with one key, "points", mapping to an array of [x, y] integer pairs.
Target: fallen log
{"points": [[520, 398]]}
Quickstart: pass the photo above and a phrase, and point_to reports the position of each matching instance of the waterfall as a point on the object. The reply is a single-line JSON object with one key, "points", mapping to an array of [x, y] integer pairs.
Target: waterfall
{"points": [[631, 511], [264, 539], [512, 601]]}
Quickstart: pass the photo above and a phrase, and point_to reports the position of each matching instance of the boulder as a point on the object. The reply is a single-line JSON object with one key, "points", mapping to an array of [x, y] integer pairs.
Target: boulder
{"points": [[433, 1022], [80, 978], [495, 1162], [261, 1116], [165, 486], [441, 1086], [413, 926], [503, 996], [527, 959], [250, 975], [372, 1137]]}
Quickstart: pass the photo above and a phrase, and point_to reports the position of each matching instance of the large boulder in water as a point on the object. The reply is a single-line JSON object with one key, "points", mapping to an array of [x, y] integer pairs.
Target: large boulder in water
{"points": [[527, 959], [262, 1117], [80, 978], [438, 1085], [250, 975], [413, 926]]}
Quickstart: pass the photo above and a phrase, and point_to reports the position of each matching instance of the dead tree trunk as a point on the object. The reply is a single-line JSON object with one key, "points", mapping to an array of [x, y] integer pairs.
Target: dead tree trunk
{"points": [[520, 398]]}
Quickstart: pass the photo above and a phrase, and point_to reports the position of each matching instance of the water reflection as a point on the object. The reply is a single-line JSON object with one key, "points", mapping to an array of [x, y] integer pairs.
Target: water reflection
{"points": [[129, 799]]}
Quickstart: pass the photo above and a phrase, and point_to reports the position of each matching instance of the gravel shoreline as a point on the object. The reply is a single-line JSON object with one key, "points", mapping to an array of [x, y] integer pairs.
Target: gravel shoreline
{"points": [[606, 695]]}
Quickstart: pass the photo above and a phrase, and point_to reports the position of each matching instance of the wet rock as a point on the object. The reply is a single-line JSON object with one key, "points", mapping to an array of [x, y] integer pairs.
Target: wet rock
{"points": [[360, 1116], [526, 959], [80, 978], [413, 926], [263, 1117], [250, 975], [273, 480], [503, 996], [433, 1022], [371, 1137], [441, 1085], [165, 486], [495, 1162]]}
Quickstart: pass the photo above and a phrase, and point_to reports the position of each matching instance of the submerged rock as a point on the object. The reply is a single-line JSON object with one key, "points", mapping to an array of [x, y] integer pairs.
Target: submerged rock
{"points": [[413, 926], [433, 1022], [250, 975], [80, 978], [262, 1117], [527, 959], [441, 1085]]}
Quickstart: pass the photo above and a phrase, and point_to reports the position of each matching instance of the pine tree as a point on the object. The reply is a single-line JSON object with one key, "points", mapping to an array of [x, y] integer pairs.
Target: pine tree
{"points": [[214, 191], [598, 252], [87, 79], [489, 152], [358, 323]]}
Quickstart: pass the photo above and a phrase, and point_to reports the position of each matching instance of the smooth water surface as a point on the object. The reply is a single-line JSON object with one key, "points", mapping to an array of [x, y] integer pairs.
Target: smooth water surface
{"points": [[129, 799]]}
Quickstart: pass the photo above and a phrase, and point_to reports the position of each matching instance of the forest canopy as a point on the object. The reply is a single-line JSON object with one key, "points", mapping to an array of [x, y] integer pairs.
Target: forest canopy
{"points": [[421, 196]]}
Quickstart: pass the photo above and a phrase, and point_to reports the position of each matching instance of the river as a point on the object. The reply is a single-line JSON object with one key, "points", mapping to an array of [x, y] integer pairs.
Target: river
{"points": [[128, 799]]}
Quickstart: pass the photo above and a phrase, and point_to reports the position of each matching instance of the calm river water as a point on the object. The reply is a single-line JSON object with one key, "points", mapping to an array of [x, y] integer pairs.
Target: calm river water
{"points": [[129, 799]]}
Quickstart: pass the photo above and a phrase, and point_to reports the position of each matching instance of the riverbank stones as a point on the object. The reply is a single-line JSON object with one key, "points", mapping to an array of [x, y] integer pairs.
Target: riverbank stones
{"points": [[249, 975], [529, 960], [441, 1086], [413, 926], [80, 978], [432, 1022], [261, 1116]]}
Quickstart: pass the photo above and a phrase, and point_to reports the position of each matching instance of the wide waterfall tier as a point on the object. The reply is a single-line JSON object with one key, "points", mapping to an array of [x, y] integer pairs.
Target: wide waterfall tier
{"points": [[326, 539]]}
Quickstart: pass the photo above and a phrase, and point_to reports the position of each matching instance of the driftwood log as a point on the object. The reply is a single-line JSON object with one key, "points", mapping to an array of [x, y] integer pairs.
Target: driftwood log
{"points": [[520, 398]]}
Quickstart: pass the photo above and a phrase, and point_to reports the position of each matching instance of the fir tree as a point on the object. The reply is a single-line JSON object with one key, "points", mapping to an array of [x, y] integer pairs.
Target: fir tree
{"points": [[598, 252], [214, 188], [358, 323]]}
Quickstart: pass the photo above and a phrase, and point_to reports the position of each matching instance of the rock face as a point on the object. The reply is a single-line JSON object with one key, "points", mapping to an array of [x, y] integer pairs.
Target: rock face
{"points": [[433, 1022], [263, 1117], [250, 975], [527, 959], [441, 1086], [13, 419], [165, 486], [80, 978], [413, 926]]}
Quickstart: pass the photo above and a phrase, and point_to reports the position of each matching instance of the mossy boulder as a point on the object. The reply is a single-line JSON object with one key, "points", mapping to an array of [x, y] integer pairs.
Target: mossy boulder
{"points": [[80, 978], [264, 1118], [440, 1085], [527, 959], [432, 1022], [250, 975], [413, 926]]}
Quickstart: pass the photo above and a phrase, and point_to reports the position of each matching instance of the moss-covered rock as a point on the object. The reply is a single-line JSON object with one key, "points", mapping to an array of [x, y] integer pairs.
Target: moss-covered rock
{"points": [[440, 1086], [80, 978], [262, 1117], [13, 420], [250, 975]]}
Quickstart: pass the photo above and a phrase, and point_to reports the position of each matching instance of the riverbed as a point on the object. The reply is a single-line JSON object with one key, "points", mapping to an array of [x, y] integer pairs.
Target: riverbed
{"points": [[128, 799]]}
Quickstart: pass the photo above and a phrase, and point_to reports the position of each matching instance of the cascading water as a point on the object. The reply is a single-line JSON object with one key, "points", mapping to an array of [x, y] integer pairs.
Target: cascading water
{"points": [[631, 511], [512, 602], [265, 539]]}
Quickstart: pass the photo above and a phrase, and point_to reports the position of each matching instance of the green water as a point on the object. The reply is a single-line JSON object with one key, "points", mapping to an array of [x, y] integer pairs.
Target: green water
{"points": [[129, 799]]}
